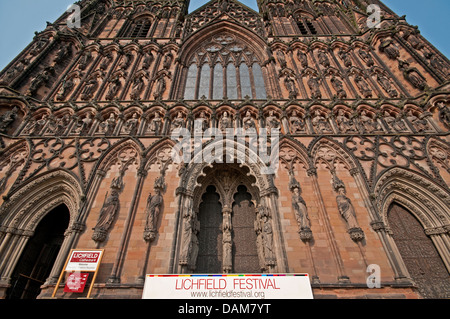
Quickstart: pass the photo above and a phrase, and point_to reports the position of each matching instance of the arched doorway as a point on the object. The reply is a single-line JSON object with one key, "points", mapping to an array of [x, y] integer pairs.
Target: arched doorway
{"points": [[245, 253], [419, 254], [39, 255], [210, 250]]}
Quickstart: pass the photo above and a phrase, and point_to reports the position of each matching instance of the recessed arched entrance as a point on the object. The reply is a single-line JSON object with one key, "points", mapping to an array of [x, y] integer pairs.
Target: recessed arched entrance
{"points": [[419, 254], [39, 255]]}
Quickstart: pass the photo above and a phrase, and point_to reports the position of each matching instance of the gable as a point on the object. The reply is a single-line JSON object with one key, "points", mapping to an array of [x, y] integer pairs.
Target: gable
{"points": [[217, 10]]}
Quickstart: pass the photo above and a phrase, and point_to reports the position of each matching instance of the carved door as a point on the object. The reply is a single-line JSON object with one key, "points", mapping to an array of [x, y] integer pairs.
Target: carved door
{"points": [[245, 254], [419, 254], [209, 259]]}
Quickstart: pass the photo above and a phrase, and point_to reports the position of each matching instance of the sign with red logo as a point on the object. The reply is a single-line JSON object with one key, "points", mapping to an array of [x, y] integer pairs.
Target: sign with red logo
{"points": [[76, 282], [84, 260], [79, 264]]}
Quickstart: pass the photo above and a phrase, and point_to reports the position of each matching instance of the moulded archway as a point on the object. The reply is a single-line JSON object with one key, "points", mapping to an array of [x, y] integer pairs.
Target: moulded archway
{"points": [[26, 208], [226, 178]]}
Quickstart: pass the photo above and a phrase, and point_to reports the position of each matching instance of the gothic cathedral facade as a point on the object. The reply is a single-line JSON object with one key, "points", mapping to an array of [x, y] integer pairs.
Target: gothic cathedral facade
{"points": [[87, 120]]}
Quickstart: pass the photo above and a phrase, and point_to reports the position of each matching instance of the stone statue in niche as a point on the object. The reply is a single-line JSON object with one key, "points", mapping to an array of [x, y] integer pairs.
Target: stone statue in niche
{"points": [[63, 53], [34, 127], [281, 59], [61, 125], [412, 75], [65, 89], [367, 124], [189, 245], [300, 210], [323, 59], [84, 60], [338, 87], [390, 49], [148, 60], [201, 123], [7, 119], [154, 207], [155, 125], [363, 87], [320, 123], [106, 61], [90, 89], [109, 211], [385, 83], [39, 80], [227, 242], [126, 62], [160, 87], [107, 127], [84, 125], [290, 86], [167, 62], [297, 124], [225, 122], [16, 70], [345, 124], [420, 124], [264, 232], [366, 57], [303, 58], [347, 210], [444, 113], [248, 122], [178, 122], [137, 87], [131, 125], [272, 122], [114, 87], [345, 57], [314, 86]]}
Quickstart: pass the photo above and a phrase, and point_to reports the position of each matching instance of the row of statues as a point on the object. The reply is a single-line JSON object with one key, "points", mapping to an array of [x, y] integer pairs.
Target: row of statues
{"points": [[295, 123]]}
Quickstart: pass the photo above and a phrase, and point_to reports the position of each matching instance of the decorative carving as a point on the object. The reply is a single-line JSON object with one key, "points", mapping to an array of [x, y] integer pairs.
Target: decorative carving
{"points": [[189, 246], [320, 123], [300, 210], [155, 125], [297, 124], [131, 125], [346, 210], [154, 207], [107, 126], [248, 122], [390, 49], [109, 211], [345, 124], [225, 122], [7, 119]]}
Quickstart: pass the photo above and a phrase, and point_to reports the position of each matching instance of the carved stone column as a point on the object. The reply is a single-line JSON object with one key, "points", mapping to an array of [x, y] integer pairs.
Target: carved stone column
{"points": [[227, 241]]}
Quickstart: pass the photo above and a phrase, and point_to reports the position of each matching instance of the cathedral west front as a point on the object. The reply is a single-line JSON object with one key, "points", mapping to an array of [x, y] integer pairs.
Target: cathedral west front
{"points": [[296, 139]]}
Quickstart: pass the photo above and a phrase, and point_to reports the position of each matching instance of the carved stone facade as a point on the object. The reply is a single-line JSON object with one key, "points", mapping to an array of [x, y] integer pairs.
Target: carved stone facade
{"points": [[86, 117]]}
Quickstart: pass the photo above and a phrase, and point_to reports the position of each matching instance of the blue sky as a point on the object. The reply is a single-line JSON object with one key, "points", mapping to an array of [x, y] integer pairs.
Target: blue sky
{"points": [[19, 19]]}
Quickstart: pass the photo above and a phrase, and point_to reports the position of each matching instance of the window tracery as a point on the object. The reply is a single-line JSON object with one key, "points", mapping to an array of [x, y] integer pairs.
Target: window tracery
{"points": [[224, 67]]}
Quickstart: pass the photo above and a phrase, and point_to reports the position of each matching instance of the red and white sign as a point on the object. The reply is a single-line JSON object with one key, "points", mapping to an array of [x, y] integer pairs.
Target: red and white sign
{"points": [[76, 282], [236, 286], [84, 260]]}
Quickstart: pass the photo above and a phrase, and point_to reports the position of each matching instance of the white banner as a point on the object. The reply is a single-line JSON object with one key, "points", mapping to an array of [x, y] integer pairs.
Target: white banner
{"points": [[84, 260], [236, 286]]}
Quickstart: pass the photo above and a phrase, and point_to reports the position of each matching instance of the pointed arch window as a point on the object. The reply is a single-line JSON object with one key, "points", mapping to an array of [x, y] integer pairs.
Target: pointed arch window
{"points": [[231, 82], [138, 29], [235, 73]]}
